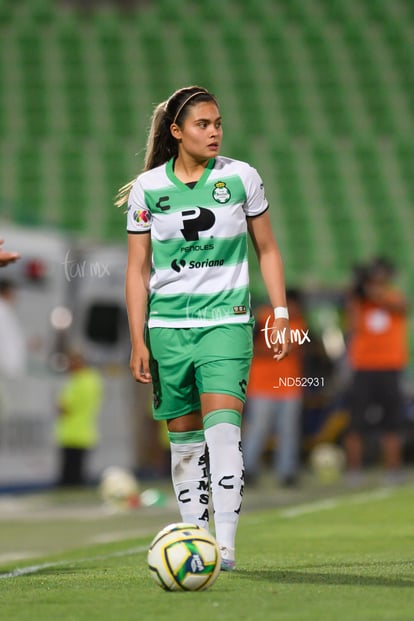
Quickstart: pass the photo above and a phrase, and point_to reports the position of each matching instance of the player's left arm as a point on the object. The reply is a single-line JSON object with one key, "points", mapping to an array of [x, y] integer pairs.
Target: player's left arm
{"points": [[271, 267]]}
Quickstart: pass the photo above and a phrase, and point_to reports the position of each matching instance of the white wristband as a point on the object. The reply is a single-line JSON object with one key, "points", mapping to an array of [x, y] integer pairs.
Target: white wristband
{"points": [[281, 312]]}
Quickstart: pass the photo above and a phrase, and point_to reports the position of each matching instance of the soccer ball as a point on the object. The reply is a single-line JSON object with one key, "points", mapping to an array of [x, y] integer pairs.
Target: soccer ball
{"points": [[327, 462], [119, 488], [184, 557]]}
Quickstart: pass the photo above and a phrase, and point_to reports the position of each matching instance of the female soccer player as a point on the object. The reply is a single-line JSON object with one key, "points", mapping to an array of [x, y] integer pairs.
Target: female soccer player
{"points": [[187, 277]]}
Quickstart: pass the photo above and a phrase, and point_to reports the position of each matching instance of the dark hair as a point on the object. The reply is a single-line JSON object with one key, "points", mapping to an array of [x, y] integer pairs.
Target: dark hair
{"points": [[383, 264], [365, 272], [161, 145], [359, 279]]}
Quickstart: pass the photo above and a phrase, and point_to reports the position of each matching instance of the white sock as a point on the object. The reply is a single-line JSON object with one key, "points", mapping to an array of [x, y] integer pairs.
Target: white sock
{"points": [[226, 479], [189, 472]]}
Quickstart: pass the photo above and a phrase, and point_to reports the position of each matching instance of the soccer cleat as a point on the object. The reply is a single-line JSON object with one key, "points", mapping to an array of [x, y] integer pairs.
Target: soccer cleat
{"points": [[227, 565], [227, 559]]}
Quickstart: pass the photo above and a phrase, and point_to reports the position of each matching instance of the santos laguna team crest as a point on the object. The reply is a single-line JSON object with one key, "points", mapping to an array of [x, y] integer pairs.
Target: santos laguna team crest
{"points": [[221, 193]]}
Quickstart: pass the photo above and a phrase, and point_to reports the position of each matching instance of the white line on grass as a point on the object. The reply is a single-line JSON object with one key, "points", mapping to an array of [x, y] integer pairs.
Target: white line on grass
{"points": [[332, 503], [34, 569], [312, 507]]}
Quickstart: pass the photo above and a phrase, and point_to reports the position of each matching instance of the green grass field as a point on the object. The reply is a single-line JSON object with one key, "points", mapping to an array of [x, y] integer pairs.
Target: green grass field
{"points": [[342, 557]]}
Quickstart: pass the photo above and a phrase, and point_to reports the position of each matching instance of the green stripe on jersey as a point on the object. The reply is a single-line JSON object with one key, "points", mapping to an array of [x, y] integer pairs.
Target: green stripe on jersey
{"points": [[168, 200], [200, 307], [231, 250]]}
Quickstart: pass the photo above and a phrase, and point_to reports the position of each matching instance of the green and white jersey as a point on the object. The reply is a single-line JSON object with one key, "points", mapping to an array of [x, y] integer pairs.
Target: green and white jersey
{"points": [[199, 271]]}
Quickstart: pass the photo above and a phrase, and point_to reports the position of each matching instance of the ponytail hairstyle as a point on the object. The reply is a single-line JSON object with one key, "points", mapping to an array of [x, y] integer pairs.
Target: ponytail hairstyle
{"points": [[161, 145]]}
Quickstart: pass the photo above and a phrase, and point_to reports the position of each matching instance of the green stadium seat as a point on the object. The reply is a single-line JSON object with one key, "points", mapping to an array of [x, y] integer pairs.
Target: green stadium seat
{"points": [[334, 11], [6, 12], [41, 12], [29, 205], [376, 12]]}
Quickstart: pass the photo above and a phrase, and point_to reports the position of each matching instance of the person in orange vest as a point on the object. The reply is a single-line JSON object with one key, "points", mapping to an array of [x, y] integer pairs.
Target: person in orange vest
{"points": [[378, 354], [275, 396]]}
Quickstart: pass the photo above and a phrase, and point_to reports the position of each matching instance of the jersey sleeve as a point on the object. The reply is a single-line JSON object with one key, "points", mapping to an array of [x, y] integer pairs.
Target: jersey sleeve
{"points": [[256, 202], [139, 215]]}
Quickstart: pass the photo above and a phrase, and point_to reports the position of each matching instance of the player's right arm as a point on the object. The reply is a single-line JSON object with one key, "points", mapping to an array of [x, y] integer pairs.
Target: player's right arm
{"points": [[136, 292]]}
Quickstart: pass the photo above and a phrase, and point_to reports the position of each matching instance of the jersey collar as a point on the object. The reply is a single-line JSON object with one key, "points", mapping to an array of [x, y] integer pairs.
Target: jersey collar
{"points": [[172, 177]]}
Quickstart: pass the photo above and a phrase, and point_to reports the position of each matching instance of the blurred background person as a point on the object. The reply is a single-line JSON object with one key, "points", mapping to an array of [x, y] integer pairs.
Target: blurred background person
{"points": [[12, 342], [378, 354], [6, 256], [79, 405], [274, 400]]}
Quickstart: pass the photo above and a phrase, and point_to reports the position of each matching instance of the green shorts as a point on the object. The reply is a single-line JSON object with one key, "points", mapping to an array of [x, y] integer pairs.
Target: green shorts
{"points": [[186, 362]]}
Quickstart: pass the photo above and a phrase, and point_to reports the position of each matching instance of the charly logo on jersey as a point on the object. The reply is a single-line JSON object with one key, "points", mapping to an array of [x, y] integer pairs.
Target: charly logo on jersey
{"points": [[142, 217], [221, 192], [163, 204]]}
